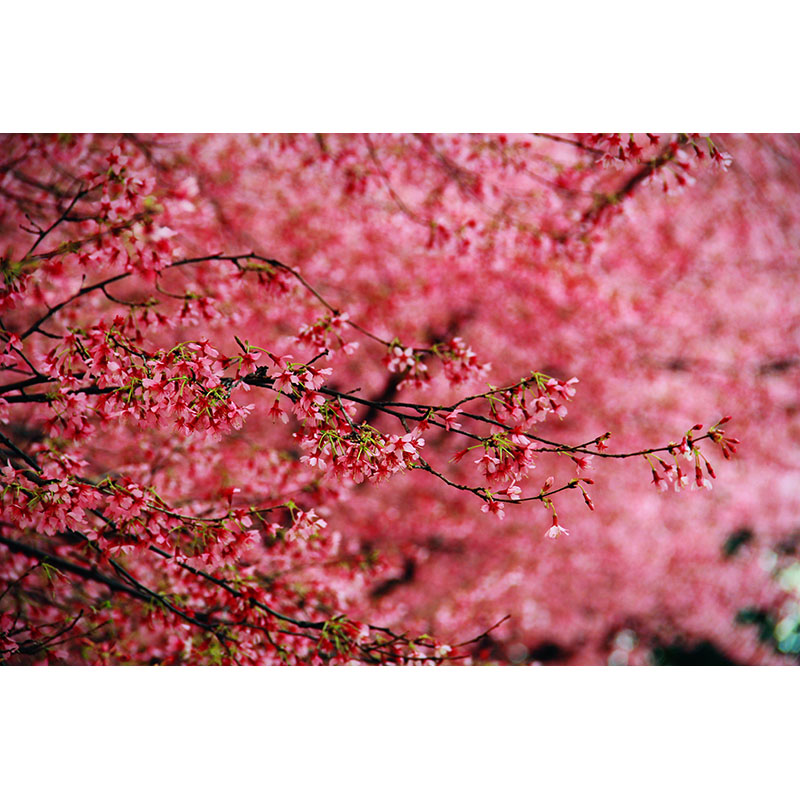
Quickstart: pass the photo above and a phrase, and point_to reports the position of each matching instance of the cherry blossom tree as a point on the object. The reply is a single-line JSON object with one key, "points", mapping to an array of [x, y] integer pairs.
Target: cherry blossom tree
{"points": [[399, 399]]}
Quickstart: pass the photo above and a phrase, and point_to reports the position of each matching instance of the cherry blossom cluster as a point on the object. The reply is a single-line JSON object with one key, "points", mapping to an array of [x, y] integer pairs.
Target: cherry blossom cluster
{"points": [[326, 334], [460, 363], [505, 459], [183, 384], [620, 150], [532, 400], [407, 362], [49, 506], [701, 473], [358, 453]]}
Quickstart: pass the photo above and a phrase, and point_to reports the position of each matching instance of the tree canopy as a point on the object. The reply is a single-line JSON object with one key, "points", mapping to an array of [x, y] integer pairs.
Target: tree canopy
{"points": [[335, 399]]}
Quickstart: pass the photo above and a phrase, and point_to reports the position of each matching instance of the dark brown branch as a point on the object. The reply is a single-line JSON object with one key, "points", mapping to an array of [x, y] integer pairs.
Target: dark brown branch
{"points": [[63, 564], [62, 218], [571, 142]]}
